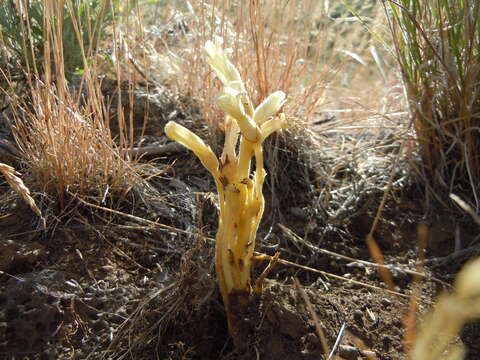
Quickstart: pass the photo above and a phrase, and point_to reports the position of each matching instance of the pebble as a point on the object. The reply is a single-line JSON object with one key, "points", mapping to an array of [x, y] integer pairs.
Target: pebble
{"points": [[358, 317], [386, 302]]}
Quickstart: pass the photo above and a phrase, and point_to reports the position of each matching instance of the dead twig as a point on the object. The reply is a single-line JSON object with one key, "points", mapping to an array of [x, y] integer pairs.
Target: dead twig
{"points": [[338, 277], [316, 320], [363, 349], [465, 207], [337, 342], [268, 269], [469, 252], [136, 218], [354, 261]]}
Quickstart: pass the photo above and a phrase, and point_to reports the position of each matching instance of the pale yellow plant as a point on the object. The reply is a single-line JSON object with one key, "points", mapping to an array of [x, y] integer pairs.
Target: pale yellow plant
{"points": [[239, 189], [445, 322]]}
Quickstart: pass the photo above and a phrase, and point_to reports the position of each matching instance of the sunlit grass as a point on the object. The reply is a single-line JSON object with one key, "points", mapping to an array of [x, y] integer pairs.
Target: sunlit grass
{"points": [[437, 45], [63, 131]]}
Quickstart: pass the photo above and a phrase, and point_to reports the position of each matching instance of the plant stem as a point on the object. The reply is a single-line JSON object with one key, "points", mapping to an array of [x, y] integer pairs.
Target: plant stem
{"points": [[241, 209]]}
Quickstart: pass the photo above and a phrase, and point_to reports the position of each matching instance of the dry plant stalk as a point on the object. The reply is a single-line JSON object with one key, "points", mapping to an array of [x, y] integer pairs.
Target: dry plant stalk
{"points": [[11, 175], [452, 311], [239, 190]]}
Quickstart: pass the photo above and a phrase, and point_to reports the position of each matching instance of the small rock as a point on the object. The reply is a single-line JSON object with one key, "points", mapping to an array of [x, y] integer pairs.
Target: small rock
{"points": [[358, 317], [349, 352], [386, 302], [298, 212]]}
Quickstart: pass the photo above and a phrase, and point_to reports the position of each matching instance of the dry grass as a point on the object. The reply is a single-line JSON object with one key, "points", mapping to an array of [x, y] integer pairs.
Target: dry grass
{"points": [[16, 183], [326, 65], [317, 52], [62, 130], [437, 46], [287, 65]]}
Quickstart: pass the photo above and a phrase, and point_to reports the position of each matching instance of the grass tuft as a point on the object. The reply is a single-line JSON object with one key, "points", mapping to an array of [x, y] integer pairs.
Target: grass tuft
{"points": [[62, 129], [438, 48]]}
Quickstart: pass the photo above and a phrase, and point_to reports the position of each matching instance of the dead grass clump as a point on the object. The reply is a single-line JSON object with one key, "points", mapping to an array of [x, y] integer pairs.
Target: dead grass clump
{"points": [[315, 52], [437, 46], [68, 147], [276, 44], [63, 134]]}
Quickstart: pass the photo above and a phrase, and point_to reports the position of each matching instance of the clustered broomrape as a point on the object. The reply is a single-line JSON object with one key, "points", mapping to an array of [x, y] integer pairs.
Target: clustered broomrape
{"points": [[239, 189]]}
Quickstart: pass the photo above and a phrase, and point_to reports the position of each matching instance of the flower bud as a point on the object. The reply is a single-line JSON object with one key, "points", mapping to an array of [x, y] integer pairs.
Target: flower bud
{"points": [[218, 60], [272, 125], [231, 101], [192, 142], [269, 107]]}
